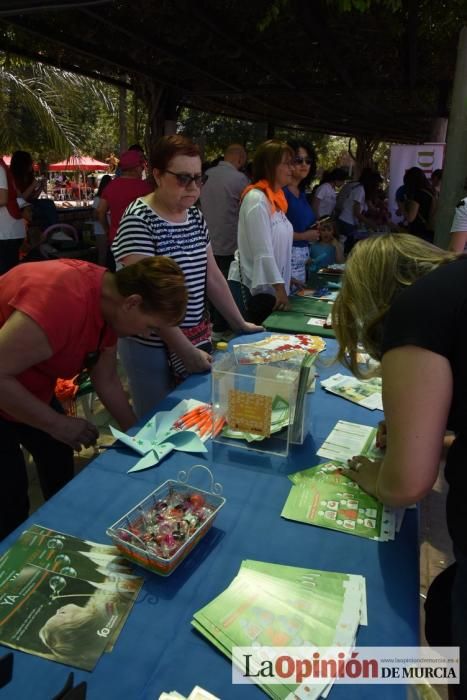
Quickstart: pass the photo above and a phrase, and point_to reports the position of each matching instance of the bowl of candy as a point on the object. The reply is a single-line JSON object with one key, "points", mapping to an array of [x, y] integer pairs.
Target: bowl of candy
{"points": [[159, 531]]}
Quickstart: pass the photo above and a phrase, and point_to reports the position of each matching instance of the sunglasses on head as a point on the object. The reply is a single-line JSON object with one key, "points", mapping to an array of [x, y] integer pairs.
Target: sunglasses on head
{"points": [[299, 160], [184, 179]]}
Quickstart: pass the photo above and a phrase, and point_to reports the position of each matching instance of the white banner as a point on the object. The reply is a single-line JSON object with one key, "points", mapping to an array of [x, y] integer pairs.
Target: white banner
{"points": [[323, 666], [427, 156]]}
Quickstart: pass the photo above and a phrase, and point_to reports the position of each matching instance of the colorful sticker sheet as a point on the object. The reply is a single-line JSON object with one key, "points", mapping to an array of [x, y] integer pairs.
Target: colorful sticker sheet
{"points": [[278, 347]]}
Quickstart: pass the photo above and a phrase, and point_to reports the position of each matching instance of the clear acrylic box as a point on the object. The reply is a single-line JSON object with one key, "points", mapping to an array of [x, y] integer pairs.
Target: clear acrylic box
{"points": [[263, 389]]}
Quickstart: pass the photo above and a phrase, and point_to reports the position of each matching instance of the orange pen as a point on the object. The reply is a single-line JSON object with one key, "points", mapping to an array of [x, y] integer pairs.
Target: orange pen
{"points": [[218, 425]]}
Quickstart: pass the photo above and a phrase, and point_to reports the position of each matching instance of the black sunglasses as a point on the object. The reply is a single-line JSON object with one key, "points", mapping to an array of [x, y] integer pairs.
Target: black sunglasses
{"points": [[299, 160], [184, 179]]}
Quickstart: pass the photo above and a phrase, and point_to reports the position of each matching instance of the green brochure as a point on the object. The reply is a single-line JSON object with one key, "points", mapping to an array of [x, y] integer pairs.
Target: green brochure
{"points": [[326, 497], [365, 393], [274, 605]]}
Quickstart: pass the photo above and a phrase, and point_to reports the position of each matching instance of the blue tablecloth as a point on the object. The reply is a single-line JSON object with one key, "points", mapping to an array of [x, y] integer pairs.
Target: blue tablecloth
{"points": [[157, 649]]}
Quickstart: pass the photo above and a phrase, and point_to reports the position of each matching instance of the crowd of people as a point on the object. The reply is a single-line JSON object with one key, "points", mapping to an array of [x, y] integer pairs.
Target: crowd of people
{"points": [[176, 241]]}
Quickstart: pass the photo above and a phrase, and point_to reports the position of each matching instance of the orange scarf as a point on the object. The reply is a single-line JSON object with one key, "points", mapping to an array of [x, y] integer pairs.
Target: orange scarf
{"points": [[277, 199]]}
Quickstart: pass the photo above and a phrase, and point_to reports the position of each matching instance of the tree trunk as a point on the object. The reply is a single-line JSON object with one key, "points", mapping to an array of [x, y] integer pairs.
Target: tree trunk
{"points": [[122, 119], [162, 108], [363, 154]]}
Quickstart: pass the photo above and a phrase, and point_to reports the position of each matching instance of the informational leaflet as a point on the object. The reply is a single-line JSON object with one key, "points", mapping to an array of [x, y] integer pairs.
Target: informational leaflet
{"points": [[324, 496], [62, 597], [273, 605], [349, 439], [365, 393]]}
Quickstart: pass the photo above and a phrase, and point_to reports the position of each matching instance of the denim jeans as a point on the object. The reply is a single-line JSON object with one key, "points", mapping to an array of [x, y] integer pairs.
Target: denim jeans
{"points": [[148, 374], [54, 464]]}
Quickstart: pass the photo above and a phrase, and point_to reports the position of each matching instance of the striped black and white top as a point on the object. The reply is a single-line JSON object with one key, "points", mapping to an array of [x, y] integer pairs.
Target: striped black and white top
{"points": [[143, 232]]}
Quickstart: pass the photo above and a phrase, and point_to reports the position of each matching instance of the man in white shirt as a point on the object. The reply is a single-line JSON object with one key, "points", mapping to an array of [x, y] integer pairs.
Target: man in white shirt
{"points": [[12, 224], [220, 203], [458, 241]]}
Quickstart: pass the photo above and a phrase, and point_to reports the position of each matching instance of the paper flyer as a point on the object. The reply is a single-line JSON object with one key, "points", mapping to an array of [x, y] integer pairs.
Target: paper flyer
{"points": [[365, 393], [324, 496]]}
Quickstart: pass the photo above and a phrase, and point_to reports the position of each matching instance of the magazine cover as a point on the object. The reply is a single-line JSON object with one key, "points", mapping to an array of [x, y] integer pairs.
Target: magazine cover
{"points": [[63, 554], [62, 618]]}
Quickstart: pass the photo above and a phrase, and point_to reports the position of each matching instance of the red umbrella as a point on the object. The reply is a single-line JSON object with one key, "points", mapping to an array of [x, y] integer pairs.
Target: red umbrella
{"points": [[74, 163], [7, 161]]}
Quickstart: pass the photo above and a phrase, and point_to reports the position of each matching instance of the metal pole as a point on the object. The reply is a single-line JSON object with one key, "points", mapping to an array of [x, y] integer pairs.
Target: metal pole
{"points": [[455, 163]]}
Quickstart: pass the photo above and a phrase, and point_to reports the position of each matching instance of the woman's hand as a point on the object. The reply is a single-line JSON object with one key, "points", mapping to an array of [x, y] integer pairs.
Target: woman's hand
{"points": [[298, 284], [364, 472], [75, 432], [311, 235], [381, 435], [196, 360], [248, 327], [282, 300]]}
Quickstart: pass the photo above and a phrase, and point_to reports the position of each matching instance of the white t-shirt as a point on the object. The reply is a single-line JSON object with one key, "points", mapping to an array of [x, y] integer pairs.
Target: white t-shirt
{"points": [[459, 223], [355, 194], [264, 246], [9, 226], [327, 199]]}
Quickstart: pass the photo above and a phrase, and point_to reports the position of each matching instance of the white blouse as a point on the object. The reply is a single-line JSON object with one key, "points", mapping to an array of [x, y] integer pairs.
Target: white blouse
{"points": [[264, 246]]}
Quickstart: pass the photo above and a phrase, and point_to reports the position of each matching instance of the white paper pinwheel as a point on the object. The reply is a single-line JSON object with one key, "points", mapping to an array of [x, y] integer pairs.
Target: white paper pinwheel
{"points": [[158, 437]]}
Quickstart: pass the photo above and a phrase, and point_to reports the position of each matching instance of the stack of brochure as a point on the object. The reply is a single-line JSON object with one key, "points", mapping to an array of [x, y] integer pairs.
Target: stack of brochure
{"points": [[297, 427], [269, 605], [365, 393], [63, 598], [325, 497]]}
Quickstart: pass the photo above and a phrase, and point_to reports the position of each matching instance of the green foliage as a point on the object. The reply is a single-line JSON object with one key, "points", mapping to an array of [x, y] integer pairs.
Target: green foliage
{"points": [[215, 132], [365, 5], [54, 113]]}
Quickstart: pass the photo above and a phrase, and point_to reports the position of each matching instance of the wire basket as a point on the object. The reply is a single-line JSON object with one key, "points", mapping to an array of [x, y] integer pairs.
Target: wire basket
{"points": [[138, 532]]}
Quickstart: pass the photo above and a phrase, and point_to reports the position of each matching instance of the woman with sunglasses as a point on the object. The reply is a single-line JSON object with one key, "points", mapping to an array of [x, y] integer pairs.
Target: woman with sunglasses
{"points": [[58, 318], [260, 273], [299, 211], [167, 222]]}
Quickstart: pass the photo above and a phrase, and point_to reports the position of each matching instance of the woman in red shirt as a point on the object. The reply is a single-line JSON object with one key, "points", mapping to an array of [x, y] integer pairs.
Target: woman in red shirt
{"points": [[56, 319]]}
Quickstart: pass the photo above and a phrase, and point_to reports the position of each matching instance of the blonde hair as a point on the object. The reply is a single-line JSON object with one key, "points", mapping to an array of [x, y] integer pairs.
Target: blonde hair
{"points": [[161, 284], [76, 640], [378, 269]]}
